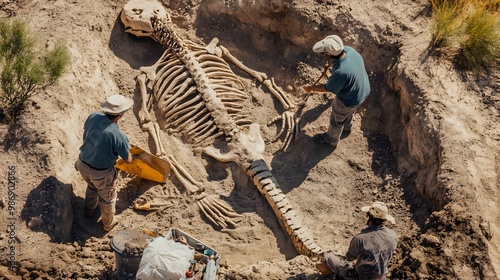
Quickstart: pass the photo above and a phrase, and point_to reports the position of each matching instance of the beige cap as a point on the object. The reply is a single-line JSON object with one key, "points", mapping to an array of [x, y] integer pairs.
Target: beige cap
{"points": [[379, 210], [116, 105], [332, 44]]}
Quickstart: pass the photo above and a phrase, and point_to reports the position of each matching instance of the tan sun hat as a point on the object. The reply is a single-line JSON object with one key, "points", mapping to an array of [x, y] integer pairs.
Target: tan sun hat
{"points": [[379, 210], [332, 44], [116, 105]]}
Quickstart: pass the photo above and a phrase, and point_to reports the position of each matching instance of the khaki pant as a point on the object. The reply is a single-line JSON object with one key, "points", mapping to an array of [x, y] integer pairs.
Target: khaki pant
{"points": [[101, 190], [340, 120]]}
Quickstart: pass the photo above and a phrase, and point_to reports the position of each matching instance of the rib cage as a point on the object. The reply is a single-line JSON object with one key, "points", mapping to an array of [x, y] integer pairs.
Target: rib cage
{"points": [[268, 186], [197, 92]]}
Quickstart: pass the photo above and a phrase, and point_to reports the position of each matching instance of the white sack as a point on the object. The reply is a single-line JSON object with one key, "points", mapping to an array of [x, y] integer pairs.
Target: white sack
{"points": [[164, 259]]}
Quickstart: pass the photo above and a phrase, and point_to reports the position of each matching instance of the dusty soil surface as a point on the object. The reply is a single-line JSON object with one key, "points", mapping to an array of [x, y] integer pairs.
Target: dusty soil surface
{"points": [[426, 142]]}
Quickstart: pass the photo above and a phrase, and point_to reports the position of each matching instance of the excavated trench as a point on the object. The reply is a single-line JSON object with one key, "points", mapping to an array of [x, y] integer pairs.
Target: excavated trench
{"points": [[275, 37], [277, 40]]}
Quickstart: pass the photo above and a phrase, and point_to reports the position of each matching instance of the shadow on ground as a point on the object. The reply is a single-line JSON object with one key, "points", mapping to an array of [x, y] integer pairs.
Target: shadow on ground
{"points": [[48, 209]]}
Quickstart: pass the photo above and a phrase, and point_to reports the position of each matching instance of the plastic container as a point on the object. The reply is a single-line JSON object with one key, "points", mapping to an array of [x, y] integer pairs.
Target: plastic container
{"points": [[127, 263], [208, 251], [210, 271]]}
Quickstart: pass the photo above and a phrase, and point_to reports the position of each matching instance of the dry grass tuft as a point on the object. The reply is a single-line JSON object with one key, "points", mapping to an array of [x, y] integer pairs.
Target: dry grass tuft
{"points": [[468, 30]]}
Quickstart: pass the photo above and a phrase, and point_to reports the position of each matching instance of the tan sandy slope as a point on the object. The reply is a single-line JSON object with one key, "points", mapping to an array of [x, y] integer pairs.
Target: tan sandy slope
{"points": [[426, 142]]}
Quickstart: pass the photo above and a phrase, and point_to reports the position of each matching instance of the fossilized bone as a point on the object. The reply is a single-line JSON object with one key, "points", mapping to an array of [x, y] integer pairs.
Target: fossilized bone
{"points": [[198, 95], [247, 150], [198, 74]]}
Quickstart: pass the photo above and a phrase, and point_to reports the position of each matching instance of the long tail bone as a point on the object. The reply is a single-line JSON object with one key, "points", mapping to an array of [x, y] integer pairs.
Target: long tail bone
{"points": [[267, 185], [247, 152]]}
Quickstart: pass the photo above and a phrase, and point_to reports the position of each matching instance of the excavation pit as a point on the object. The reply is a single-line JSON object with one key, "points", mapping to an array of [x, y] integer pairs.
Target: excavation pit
{"points": [[403, 150]]}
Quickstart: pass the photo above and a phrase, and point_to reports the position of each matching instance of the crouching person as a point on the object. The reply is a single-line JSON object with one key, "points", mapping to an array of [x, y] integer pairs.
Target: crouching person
{"points": [[370, 251]]}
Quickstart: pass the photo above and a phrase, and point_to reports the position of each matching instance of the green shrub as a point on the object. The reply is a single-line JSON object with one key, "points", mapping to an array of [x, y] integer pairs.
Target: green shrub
{"points": [[24, 68]]}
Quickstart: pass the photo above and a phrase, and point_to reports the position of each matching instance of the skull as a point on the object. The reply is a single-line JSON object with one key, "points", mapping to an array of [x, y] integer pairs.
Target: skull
{"points": [[136, 16]]}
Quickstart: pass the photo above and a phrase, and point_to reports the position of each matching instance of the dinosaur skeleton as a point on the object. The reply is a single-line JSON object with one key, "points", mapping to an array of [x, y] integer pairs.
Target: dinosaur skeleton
{"points": [[196, 93]]}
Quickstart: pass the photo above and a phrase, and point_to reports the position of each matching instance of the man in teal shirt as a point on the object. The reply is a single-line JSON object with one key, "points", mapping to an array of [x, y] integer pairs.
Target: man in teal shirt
{"points": [[103, 143], [348, 81]]}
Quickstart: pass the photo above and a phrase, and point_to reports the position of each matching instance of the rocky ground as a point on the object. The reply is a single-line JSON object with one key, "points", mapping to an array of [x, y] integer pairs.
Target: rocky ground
{"points": [[425, 142]]}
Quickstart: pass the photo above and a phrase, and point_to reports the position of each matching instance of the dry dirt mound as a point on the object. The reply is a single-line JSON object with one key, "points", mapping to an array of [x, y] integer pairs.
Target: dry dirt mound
{"points": [[426, 142]]}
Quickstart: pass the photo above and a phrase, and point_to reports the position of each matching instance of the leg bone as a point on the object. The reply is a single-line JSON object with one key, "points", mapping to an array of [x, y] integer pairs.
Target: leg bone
{"points": [[147, 123], [191, 185]]}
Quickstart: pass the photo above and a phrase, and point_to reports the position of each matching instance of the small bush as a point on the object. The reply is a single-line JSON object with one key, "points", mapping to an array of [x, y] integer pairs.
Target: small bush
{"points": [[24, 68]]}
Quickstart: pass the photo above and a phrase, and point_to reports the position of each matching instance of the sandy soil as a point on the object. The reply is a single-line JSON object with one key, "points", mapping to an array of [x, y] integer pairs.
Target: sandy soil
{"points": [[426, 142]]}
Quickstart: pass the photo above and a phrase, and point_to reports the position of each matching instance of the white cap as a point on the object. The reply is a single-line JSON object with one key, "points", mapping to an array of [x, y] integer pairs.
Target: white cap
{"points": [[116, 105], [379, 210], [332, 44]]}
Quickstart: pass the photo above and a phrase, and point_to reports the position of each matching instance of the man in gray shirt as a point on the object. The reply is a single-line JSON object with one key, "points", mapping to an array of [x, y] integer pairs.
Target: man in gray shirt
{"points": [[369, 252]]}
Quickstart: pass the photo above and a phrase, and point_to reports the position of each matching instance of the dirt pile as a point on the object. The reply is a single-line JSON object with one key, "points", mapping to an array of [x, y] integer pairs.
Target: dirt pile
{"points": [[425, 142]]}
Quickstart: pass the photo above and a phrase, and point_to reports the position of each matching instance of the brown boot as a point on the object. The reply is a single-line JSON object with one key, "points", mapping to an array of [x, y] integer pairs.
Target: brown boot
{"points": [[111, 225], [323, 138]]}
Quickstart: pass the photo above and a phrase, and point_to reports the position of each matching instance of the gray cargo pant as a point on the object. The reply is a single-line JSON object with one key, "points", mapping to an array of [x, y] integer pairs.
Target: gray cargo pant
{"points": [[101, 190], [340, 120], [341, 268]]}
